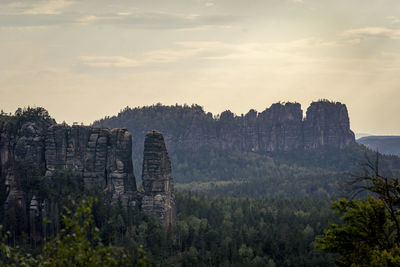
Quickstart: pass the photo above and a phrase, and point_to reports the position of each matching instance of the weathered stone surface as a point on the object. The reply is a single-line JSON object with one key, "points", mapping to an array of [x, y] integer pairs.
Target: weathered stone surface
{"points": [[29, 145], [158, 198], [280, 127], [327, 124], [102, 157], [9, 188], [19, 145]]}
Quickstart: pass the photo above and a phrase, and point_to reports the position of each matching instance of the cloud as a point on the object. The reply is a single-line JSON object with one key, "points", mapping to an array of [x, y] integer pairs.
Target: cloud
{"points": [[373, 31], [160, 56], [38, 7], [149, 20], [298, 1], [257, 51], [32, 20], [87, 19], [109, 61], [161, 20], [393, 19]]}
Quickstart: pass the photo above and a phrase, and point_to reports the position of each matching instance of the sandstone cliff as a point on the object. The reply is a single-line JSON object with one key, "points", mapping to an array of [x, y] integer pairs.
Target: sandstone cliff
{"points": [[102, 157], [158, 198], [280, 127], [327, 123], [99, 157], [20, 141]]}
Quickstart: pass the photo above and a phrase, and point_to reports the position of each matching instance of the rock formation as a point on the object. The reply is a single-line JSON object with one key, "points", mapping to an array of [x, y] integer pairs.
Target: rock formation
{"points": [[158, 198], [327, 123], [20, 142], [101, 156], [280, 127]]}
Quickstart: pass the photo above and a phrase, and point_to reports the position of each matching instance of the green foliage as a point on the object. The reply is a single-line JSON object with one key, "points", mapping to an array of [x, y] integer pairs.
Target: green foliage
{"points": [[13, 123], [210, 230], [232, 231], [36, 114], [254, 175], [366, 233], [78, 244], [370, 231]]}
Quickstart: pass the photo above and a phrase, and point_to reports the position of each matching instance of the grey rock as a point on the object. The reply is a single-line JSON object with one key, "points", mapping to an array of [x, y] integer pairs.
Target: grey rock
{"points": [[327, 124], [102, 157], [158, 199], [281, 127]]}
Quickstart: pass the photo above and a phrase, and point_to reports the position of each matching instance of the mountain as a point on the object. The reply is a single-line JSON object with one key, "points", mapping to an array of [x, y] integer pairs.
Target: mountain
{"points": [[278, 128], [276, 152], [285, 167], [389, 145]]}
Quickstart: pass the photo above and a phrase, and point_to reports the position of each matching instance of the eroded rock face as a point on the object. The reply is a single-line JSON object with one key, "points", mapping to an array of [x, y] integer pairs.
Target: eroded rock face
{"points": [[281, 127], [101, 156], [327, 123], [19, 145], [9, 188], [158, 198]]}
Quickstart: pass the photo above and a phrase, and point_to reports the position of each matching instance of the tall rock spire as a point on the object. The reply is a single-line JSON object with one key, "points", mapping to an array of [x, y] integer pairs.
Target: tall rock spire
{"points": [[158, 199]]}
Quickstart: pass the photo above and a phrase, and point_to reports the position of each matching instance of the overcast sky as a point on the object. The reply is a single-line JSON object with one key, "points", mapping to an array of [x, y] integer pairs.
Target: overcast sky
{"points": [[85, 59]]}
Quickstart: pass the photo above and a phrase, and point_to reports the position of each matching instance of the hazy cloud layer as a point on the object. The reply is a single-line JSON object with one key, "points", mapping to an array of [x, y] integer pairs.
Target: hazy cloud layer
{"points": [[145, 21], [87, 59], [374, 31]]}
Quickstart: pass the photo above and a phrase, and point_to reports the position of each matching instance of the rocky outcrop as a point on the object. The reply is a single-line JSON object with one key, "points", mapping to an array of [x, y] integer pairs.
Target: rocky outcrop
{"points": [[158, 199], [8, 185], [101, 156], [280, 127], [20, 143], [327, 124]]}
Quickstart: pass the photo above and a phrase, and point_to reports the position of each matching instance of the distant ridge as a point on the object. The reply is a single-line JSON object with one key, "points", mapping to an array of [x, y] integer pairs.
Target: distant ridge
{"points": [[361, 135], [389, 145], [281, 127], [207, 147]]}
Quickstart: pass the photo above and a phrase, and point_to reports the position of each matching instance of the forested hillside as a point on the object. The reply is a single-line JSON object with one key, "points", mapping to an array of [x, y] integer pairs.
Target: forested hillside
{"points": [[256, 208], [210, 230], [225, 153]]}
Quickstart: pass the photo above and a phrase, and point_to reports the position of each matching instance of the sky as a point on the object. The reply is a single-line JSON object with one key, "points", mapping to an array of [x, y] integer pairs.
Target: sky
{"points": [[86, 59]]}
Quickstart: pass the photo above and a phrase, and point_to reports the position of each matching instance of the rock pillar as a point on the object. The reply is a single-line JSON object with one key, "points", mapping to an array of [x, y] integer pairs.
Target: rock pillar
{"points": [[157, 180]]}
